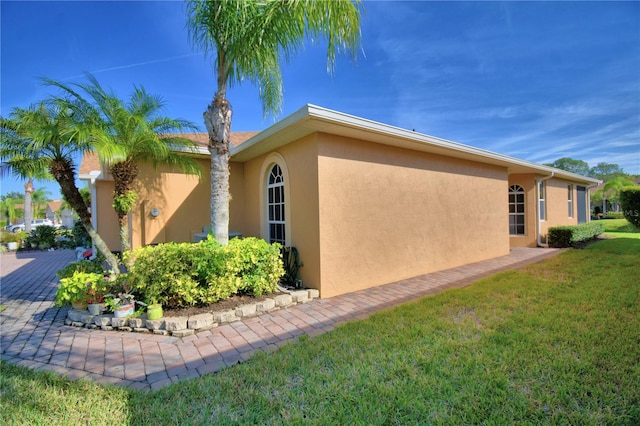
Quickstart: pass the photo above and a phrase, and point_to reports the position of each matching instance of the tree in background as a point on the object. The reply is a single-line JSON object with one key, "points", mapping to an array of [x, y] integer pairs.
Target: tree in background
{"points": [[126, 134], [606, 171], [40, 197], [44, 139], [610, 192], [248, 40], [570, 165]]}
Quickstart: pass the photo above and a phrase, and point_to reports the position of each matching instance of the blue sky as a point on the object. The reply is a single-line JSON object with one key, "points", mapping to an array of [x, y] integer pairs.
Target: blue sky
{"points": [[534, 80]]}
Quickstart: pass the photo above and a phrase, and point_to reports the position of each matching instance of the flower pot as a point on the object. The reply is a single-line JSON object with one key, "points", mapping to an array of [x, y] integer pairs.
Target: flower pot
{"points": [[95, 308], [79, 305], [13, 246], [123, 311], [154, 311]]}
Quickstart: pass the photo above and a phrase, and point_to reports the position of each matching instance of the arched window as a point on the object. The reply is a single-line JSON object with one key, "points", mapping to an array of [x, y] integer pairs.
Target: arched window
{"points": [[276, 206], [516, 210]]}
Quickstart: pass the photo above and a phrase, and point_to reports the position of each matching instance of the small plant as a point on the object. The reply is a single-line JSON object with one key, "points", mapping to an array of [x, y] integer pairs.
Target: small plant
{"points": [[121, 295], [80, 287]]}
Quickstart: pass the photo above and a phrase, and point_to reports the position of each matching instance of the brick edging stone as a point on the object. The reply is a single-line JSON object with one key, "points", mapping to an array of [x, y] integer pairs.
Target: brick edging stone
{"points": [[185, 326]]}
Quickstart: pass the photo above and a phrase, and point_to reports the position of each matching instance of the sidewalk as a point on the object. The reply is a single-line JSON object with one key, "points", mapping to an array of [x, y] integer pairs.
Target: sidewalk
{"points": [[33, 334]]}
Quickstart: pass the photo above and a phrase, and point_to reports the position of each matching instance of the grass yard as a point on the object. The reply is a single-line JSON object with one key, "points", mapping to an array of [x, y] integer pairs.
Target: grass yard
{"points": [[620, 228], [557, 342]]}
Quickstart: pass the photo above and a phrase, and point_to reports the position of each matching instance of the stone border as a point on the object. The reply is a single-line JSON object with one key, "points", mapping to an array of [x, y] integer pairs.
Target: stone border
{"points": [[186, 326]]}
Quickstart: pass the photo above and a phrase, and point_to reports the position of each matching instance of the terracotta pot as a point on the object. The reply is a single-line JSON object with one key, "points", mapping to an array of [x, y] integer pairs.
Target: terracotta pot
{"points": [[79, 305], [154, 311], [123, 311]]}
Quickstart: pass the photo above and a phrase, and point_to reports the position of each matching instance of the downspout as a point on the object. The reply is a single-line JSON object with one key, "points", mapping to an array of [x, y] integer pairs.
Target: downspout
{"points": [[538, 221]]}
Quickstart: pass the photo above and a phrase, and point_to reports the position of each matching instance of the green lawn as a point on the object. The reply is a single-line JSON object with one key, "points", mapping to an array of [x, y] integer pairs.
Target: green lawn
{"points": [[557, 342], [620, 228]]}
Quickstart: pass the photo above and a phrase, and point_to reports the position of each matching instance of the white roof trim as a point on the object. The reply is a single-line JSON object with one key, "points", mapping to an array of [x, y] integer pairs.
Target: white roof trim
{"points": [[312, 119]]}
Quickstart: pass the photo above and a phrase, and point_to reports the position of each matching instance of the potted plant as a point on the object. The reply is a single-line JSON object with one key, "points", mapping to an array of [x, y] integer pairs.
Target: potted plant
{"points": [[95, 296], [154, 310], [122, 303], [74, 290]]}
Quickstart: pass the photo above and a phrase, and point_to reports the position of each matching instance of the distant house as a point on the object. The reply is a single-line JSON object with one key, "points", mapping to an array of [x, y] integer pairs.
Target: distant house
{"points": [[365, 203], [55, 212]]}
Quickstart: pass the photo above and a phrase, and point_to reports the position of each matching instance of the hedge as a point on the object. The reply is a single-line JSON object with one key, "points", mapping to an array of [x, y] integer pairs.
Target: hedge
{"points": [[569, 236], [630, 202], [188, 274]]}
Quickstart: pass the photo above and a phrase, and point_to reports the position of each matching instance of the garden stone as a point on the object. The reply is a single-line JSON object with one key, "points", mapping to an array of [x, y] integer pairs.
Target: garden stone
{"points": [[77, 324], [197, 322], [182, 333], [155, 324], [80, 316], [313, 293], [160, 332], [106, 328], [136, 322], [173, 324], [102, 320], [283, 300], [246, 310], [300, 296], [265, 305], [119, 322], [225, 316], [125, 329], [141, 330]]}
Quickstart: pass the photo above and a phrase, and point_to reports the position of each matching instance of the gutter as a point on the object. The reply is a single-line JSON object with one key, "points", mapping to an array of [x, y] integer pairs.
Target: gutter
{"points": [[538, 236]]}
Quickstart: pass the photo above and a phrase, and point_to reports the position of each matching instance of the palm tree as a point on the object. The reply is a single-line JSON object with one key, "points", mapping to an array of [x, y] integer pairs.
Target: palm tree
{"points": [[125, 134], [28, 174], [611, 191], [43, 139], [39, 198], [247, 39]]}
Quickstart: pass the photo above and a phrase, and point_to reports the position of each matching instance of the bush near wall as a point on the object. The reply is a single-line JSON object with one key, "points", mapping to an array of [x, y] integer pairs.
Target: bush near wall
{"points": [[630, 202], [569, 236], [187, 274], [614, 215]]}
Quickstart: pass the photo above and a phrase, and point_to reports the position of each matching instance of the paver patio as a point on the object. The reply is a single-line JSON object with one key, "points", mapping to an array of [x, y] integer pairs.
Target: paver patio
{"points": [[33, 334]]}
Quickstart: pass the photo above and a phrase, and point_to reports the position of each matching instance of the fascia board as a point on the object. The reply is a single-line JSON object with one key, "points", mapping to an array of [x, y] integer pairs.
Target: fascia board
{"points": [[311, 119]]}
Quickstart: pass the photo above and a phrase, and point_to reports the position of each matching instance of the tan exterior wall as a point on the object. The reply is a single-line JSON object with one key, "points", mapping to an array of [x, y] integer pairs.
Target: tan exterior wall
{"points": [[107, 219], [388, 214], [182, 201], [558, 206], [527, 182], [299, 163]]}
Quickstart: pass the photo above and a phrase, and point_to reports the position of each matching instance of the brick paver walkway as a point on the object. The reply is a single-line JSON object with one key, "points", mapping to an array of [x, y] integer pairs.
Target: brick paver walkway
{"points": [[33, 334]]}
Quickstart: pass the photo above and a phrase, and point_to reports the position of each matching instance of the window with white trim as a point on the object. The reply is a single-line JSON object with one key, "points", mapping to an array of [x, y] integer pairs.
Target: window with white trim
{"points": [[516, 210], [570, 199], [542, 201], [275, 206]]}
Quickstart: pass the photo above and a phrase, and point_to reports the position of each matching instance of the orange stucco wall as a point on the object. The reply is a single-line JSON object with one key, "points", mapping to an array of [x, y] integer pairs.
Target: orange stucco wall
{"points": [[387, 214], [558, 206]]}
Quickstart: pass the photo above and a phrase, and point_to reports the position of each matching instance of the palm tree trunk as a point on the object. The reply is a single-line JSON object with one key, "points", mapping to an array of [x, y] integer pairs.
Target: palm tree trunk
{"points": [[217, 118], [28, 204], [63, 173]]}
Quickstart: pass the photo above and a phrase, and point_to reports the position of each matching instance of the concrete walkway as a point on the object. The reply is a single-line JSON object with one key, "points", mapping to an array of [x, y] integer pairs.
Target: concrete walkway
{"points": [[33, 334]]}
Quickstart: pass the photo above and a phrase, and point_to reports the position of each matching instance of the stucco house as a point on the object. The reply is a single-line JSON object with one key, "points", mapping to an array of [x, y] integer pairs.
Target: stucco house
{"points": [[364, 203]]}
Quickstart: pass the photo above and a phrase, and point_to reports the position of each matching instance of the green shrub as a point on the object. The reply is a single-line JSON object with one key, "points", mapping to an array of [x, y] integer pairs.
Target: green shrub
{"points": [[615, 215], [80, 236], [186, 274], [12, 237], [568, 236], [630, 202], [43, 237], [95, 266]]}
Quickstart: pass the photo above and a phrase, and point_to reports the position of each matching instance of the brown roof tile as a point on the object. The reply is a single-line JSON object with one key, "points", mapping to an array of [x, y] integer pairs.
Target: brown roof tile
{"points": [[89, 163]]}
